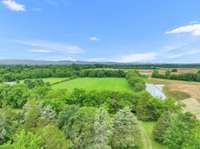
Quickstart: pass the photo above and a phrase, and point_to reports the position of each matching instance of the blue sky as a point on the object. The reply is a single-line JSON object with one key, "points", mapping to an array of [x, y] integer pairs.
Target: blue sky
{"points": [[101, 30]]}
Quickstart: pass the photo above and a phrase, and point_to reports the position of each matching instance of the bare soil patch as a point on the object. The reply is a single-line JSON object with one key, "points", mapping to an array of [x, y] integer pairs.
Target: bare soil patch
{"points": [[191, 88], [193, 106]]}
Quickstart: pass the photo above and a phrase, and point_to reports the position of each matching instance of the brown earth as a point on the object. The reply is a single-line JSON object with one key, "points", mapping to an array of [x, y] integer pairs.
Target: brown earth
{"points": [[191, 88]]}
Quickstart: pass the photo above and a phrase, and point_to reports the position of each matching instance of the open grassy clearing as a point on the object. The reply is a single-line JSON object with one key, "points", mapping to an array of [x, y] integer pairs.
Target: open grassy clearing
{"points": [[148, 141], [100, 84]]}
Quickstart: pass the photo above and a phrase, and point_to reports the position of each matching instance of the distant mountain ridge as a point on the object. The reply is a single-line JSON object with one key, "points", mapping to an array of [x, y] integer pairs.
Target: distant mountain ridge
{"points": [[68, 62], [47, 62]]}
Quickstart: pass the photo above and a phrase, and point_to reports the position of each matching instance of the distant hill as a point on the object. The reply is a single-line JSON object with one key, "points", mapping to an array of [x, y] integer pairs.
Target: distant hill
{"points": [[44, 62], [67, 62]]}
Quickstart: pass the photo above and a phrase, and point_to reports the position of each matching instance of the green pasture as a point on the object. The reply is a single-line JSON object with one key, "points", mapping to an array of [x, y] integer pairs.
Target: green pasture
{"points": [[100, 84]]}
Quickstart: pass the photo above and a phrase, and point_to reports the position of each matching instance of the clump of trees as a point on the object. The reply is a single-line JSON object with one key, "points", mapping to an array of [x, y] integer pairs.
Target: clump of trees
{"points": [[18, 94], [113, 101], [22, 72], [102, 73], [181, 76], [126, 132], [136, 80], [176, 130]]}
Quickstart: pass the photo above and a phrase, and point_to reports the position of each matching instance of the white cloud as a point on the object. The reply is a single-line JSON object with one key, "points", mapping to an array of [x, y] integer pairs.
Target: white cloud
{"points": [[194, 29], [94, 39], [40, 51], [52, 46], [13, 5], [138, 57]]}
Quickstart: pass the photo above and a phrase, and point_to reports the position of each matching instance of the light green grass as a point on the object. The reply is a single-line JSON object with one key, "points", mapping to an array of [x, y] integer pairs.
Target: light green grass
{"points": [[53, 80], [148, 140], [99, 84]]}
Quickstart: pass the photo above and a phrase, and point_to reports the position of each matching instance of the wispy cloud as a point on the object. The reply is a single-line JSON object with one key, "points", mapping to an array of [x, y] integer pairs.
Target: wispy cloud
{"points": [[97, 59], [40, 51], [194, 29], [137, 57], [184, 53], [94, 38], [13, 5], [47, 46]]}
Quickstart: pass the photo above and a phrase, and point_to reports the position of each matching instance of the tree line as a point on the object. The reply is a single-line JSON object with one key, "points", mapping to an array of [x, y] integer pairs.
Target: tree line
{"points": [[181, 76], [14, 73]]}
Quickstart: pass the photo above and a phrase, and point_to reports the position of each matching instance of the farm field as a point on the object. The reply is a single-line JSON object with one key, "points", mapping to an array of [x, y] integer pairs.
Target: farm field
{"points": [[163, 70], [100, 84], [186, 92]]}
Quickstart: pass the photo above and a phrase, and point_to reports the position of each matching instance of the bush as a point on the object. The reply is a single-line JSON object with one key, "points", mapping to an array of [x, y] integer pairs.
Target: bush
{"points": [[112, 100], [136, 80], [161, 127]]}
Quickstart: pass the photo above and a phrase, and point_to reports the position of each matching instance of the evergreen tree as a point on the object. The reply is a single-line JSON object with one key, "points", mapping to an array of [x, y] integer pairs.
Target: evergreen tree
{"points": [[125, 130]]}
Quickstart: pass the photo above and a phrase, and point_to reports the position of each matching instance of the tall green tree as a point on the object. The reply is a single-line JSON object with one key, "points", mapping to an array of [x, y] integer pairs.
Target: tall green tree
{"points": [[126, 132], [181, 125], [193, 140], [102, 130], [53, 138], [24, 140]]}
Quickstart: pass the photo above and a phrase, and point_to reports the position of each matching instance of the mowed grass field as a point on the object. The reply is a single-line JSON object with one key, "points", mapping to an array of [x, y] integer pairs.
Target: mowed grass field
{"points": [[99, 84]]}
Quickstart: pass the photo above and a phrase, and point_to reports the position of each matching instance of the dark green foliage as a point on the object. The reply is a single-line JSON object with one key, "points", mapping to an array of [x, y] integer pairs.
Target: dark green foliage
{"points": [[53, 138], [126, 132], [135, 80], [24, 140], [14, 95], [13, 73], [183, 76], [193, 139], [82, 128], [65, 117], [174, 70], [9, 121], [37, 115], [56, 99], [112, 100], [150, 109], [102, 73], [179, 129], [162, 126]]}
